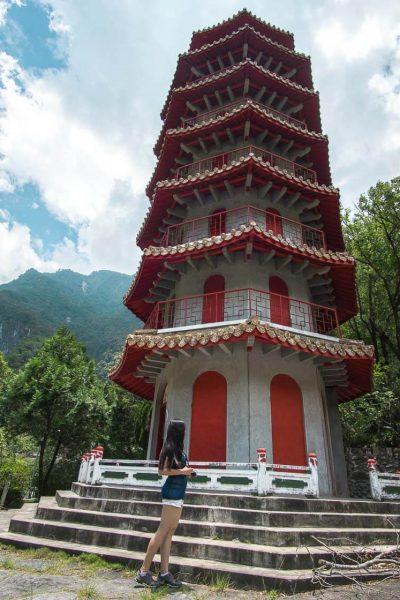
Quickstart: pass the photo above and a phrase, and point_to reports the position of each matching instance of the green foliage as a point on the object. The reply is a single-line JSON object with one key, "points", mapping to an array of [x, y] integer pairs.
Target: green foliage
{"points": [[15, 466], [6, 374], [58, 400], [130, 424], [24, 351], [374, 419], [372, 236]]}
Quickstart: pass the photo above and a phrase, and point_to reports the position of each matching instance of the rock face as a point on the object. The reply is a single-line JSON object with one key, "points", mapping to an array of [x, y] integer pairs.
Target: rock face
{"points": [[36, 304], [388, 461]]}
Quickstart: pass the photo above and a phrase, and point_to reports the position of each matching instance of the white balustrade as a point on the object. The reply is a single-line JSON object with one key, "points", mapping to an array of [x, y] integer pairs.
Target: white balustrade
{"points": [[258, 478], [384, 486]]}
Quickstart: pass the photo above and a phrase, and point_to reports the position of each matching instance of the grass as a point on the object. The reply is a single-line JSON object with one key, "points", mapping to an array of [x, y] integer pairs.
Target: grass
{"points": [[154, 594], [7, 564], [271, 594], [58, 561], [219, 582], [89, 592]]}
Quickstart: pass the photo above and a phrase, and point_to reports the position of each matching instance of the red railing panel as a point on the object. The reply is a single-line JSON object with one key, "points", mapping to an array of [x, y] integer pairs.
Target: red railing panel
{"points": [[223, 110], [218, 223], [233, 305], [216, 162]]}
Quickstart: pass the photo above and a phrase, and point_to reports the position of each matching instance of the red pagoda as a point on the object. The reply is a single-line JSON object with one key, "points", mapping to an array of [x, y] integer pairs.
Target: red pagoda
{"points": [[244, 280]]}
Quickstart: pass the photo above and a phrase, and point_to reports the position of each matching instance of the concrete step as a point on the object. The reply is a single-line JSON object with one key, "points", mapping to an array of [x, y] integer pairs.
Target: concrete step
{"points": [[255, 534], [192, 569], [242, 501], [228, 551], [220, 514]]}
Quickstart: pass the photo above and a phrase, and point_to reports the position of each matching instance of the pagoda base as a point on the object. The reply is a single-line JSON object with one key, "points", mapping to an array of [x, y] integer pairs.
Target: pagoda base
{"points": [[250, 395]]}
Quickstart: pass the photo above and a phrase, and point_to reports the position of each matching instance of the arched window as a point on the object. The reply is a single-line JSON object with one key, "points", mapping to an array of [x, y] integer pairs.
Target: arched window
{"points": [[217, 222], [213, 301], [279, 301], [288, 438], [208, 422], [273, 221]]}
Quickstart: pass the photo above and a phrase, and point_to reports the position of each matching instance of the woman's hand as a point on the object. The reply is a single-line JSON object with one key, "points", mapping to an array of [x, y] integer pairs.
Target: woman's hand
{"points": [[187, 471]]}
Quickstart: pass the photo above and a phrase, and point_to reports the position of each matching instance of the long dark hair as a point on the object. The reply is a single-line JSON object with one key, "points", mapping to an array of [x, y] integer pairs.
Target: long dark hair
{"points": [[173, 445]]}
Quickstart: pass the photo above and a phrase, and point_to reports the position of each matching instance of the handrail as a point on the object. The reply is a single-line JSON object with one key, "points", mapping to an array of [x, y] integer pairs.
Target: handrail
{"points": [[222, 110], [226, 220], [220, 160], [241, 304]]}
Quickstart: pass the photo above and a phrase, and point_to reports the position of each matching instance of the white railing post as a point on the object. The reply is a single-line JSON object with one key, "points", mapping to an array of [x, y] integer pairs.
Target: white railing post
{"points": [[97, 454], [376, 490], [314, 483], [90, 466], [85, 467], [261, 471], [81, 468]]}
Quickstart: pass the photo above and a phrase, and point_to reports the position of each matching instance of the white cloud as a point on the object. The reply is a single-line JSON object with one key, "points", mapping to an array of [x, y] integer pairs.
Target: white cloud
{"points": [[17, 250], [351, 41], [4, 6], [74, 167], [84, 134]]}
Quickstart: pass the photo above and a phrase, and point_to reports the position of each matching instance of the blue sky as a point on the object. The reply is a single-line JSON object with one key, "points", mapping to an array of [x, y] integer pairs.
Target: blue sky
{"points": [[81, 88]]}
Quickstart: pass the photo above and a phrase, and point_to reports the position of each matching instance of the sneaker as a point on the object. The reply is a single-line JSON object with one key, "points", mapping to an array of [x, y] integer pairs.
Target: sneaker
{"points": [[146, 579], [169, 580]]}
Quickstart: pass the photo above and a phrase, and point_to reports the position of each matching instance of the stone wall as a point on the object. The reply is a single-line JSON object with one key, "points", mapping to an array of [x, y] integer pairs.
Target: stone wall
{"points": [[388, 460]]}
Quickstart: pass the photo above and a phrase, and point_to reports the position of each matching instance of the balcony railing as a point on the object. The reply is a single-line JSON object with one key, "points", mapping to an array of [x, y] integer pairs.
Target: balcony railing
{"points": [[220, 222], [207, 165], [241, 304], [222, 110]]}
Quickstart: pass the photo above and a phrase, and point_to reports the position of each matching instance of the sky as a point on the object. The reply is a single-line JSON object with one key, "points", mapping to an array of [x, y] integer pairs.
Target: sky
{"points": [[82, 83]]}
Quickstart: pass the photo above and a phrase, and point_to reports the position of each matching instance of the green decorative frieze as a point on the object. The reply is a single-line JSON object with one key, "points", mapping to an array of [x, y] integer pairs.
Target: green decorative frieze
{"points": [[146, 476], [235, 480], [391, 489], [289, 483], [200, 479], [114, 475]]}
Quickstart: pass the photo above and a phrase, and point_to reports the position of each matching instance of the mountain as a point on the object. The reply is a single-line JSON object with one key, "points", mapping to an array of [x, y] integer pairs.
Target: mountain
{"points": [[35, 304]]}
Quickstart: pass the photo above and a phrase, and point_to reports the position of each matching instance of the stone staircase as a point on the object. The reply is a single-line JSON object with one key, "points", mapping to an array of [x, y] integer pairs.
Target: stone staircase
{"points": [[259, 542]]}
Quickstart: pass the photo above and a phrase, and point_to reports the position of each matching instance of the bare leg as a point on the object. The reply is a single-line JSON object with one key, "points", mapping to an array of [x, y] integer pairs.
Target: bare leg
{"points": [[169, 521], [166, 543]]}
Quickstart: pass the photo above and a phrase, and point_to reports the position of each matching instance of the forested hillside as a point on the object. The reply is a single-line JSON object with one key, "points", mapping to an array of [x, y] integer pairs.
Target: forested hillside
{"points": [[33, 306]]}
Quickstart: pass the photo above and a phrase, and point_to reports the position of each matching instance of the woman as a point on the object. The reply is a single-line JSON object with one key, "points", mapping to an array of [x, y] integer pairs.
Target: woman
{"points": [[172, 463]]}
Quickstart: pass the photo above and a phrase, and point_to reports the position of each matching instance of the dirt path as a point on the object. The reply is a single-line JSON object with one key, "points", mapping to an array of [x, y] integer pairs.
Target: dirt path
{"points": [[45, 575]]}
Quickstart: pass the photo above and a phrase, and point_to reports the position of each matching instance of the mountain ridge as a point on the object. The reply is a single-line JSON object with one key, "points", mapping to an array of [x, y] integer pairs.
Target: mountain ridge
{"points": [[35, 304]]}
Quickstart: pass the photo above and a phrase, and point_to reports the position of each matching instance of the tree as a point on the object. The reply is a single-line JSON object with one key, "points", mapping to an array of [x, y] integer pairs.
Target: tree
{"points": [[58, 399], [372, 236], [6, 374], [130, 424], [15, 469]]}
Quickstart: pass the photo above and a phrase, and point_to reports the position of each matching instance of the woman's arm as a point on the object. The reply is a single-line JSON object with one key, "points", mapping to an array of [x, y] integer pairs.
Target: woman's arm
{"points": [[171, 472]]}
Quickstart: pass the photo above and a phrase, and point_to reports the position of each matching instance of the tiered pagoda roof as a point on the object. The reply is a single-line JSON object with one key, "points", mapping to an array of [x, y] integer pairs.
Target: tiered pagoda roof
{"points": [[242, 119]]}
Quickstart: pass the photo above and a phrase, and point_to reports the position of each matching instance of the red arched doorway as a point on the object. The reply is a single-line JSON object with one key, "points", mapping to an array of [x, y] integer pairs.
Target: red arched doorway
{"points": [[217, 222], [279, 301], [213, 305], [273, 221], [288, 438], [161, 424], [208, 423]]}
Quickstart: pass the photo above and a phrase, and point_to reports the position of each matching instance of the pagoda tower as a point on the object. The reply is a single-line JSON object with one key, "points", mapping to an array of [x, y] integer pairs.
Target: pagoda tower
{"points": [[244, 280]]}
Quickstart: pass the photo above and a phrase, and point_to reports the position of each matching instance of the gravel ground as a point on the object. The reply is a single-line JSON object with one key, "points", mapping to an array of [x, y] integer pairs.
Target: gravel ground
{"points": [[43, 575]]}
